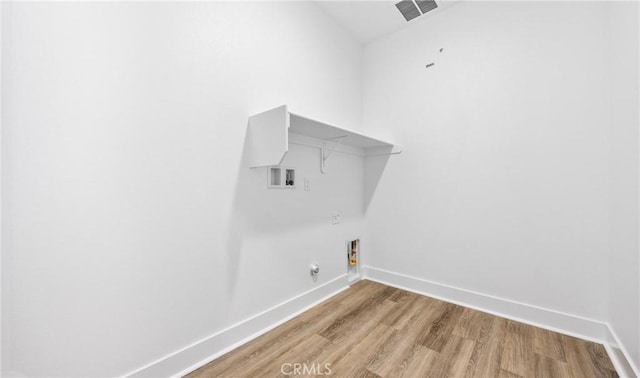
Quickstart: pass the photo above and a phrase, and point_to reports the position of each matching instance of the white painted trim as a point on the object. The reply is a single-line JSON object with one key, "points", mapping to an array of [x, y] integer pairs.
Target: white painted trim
{"points": [[619, 356], [572, 325], [208, 349], [568, 324], [204, 351]]}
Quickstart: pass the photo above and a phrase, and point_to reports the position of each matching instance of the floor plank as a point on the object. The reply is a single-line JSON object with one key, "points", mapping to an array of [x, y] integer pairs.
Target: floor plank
{"points": [[375, 331], [518, 350], [547, 343], [550, 367], [454, 359], [487, 354]]}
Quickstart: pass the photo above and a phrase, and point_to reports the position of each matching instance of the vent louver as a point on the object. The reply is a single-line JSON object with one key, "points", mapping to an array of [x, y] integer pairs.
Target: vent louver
{"points": [[426, 5], [408, 9]]}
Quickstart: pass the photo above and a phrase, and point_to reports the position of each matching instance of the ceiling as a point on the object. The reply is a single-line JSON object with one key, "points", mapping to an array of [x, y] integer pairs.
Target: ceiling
{"points": [[368, 20]]}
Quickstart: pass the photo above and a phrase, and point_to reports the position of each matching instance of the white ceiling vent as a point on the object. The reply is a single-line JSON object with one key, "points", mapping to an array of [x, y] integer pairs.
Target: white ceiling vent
{"points": [[410, 11]]}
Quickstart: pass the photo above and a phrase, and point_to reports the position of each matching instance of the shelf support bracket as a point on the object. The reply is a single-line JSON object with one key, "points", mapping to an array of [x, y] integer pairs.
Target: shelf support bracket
{"points": [[326, 152]]}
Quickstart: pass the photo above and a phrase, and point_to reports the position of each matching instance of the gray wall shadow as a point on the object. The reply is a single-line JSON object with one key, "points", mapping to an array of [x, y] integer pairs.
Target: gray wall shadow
{"points": [[374, 166]]}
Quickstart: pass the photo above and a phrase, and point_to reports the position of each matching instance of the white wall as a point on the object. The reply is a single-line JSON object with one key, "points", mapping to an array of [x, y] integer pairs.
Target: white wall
{"points": [[1, 189], [132, 226], [503, 185], [624, 258], [520, 172]]}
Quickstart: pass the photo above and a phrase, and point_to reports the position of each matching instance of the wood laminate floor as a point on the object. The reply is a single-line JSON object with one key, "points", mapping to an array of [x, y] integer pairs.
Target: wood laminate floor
{"points": [[372, 330]]}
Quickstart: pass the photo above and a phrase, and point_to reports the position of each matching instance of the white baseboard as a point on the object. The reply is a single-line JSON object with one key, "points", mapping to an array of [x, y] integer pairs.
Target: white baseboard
{"points": [[619, 356], [204, 351], [568, 324]]}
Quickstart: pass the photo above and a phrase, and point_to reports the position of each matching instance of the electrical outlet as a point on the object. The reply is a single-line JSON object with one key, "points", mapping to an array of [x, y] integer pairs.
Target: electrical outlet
{"points": [[335, 217], [307, 186]]}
